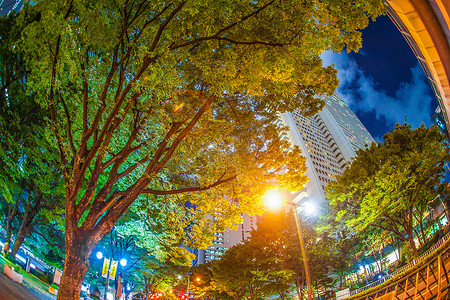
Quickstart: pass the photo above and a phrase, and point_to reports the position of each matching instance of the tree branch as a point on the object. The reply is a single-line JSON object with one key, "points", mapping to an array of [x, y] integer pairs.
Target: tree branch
{"points": [[69, 125], [182, 190], [45, 238], [164, 25]]}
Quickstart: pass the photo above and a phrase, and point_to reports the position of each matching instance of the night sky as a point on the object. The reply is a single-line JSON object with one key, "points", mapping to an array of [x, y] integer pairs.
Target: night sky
{"points": [[384, 81]]}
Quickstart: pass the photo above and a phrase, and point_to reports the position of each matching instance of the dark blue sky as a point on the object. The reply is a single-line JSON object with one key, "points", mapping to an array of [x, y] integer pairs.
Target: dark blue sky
{"points": [[383, 82]]}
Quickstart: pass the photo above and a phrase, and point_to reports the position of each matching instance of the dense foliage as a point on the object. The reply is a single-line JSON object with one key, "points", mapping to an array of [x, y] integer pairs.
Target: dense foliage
{"points": [[176, 100], [270, 262], [31, 185], [390, 185]]}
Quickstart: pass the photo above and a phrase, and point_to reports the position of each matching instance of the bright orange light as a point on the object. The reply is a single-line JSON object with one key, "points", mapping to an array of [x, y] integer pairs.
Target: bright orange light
{"points": [[178, 107], [273, 200], [198, 279]]}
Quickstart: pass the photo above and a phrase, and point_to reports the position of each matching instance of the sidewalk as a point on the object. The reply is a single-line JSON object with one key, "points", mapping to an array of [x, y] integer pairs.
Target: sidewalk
{"points": [[31, 289]]}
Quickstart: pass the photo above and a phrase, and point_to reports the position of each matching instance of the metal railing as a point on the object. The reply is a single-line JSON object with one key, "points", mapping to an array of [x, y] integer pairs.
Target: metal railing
{"points": [[404, 268], [430, 281]]}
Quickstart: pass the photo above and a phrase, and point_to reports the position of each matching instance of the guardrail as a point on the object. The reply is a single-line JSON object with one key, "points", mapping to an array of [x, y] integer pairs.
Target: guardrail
{"points": [[402, 269], [430, 281]]}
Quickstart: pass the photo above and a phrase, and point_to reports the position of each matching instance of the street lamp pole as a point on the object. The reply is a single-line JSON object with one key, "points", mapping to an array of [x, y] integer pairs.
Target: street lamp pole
{"points": [[187, 292], [123, 263], [273, 201], [303, 249], [105, 297]]}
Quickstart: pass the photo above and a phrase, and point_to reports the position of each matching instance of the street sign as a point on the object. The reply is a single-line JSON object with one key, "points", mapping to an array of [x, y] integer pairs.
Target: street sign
{"points": [[112, 273], [105, 267]]}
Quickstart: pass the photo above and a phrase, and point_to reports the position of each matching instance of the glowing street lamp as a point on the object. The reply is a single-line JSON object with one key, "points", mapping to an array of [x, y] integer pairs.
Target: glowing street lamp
{"points": [[109, 268], [274, 200], [188, 277], [123, 262]]}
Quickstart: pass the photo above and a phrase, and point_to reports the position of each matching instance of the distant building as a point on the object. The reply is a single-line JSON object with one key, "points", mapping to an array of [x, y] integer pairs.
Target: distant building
{"points": [[438, 119], [225, 240], [328, 140], [7, 6]]}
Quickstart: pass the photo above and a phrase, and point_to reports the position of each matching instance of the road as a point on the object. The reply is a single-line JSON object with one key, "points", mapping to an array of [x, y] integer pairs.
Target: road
{"points": [[10, 290]]}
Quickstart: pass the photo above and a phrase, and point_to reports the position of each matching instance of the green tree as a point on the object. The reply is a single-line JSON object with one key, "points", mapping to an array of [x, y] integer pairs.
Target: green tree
{"points": [[204, 287], [241, 272], [388, 186], [30, 184], [149, 249], [169, 98], [277, 236], [270, 261]]}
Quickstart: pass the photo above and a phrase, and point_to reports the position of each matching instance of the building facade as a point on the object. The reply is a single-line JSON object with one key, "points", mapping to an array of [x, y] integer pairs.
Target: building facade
{"points": [[6, 6], [225, 240], [328, 140]]}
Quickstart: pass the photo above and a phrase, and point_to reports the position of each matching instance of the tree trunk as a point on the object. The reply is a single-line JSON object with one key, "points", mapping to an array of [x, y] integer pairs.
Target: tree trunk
{"points": [[119, 287], [413, 245], [25, 225], [19, 241], [12, 211], [76, 265], [298, 289], [75, 268]]}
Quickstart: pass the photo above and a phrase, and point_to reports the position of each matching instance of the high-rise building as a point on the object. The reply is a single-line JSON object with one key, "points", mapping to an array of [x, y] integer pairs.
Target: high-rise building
{"points": [[328, 140], [6, 6], [225, 240]]}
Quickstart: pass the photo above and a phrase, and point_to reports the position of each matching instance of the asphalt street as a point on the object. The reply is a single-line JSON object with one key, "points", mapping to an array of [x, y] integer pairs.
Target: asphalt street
{"points": [[10, 290]]}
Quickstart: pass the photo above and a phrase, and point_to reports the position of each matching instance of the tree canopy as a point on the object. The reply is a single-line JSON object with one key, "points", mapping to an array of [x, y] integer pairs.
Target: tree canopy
{"points": [[31, 189], [177, 99], [270, 262], [389, 185]]}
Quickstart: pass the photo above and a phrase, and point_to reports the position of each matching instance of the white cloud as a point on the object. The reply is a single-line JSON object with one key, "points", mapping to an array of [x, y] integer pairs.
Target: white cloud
{"points": [[362, 94]]}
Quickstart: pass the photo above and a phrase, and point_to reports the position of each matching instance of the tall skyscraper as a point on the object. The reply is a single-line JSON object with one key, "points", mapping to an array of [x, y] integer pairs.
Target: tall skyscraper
{"points": [[328, 140], [225, 240], [7, 6]]}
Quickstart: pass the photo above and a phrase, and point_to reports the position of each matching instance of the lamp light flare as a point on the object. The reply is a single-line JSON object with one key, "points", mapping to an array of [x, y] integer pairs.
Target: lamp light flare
{"points": [[178, 107], [309, 208], [273, 200], [198, 279], [123, 262], [99, 255]]}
